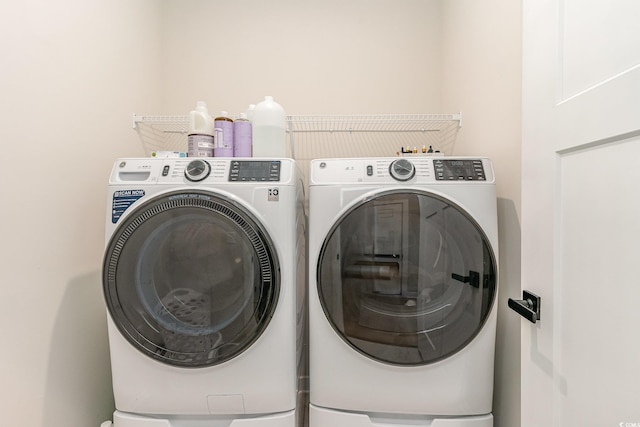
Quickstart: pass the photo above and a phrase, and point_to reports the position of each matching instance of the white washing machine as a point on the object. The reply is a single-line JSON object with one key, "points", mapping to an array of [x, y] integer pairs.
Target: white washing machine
{"points": [[204, 279], [402, 291]]}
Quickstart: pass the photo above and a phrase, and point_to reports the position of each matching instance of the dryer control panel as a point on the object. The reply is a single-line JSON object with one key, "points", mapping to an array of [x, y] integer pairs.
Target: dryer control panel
{"points": [[402, 170]]}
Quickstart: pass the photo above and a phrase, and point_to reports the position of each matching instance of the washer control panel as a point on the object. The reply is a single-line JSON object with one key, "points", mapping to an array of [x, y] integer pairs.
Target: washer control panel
{"points": [[136, 171]]}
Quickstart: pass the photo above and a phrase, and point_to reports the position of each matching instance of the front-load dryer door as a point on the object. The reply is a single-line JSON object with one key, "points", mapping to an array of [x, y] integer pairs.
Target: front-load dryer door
{"points": [[191, 279], [406, 277]]}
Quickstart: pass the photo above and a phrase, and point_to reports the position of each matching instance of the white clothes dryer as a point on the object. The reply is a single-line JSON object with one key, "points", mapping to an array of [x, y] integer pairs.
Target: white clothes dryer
{"points": [[402, 288], [204, 280]]}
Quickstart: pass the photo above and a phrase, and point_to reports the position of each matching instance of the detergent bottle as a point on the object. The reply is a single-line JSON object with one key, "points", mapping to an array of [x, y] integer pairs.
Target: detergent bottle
{"points": [[200, 137], [269, 129]]}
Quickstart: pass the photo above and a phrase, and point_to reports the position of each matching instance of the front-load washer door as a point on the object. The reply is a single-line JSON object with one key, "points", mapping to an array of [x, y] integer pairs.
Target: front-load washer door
{"points": [[406, 277], [191, 279]]}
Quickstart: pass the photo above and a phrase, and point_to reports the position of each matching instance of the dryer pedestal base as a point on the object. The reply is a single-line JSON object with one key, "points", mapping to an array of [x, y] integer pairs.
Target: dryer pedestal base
{"points": [[123, 419], [322, 417]]}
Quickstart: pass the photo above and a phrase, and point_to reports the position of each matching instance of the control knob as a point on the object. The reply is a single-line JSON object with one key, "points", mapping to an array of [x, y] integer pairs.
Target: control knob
{"points": [[197, 170], [402, 170]]}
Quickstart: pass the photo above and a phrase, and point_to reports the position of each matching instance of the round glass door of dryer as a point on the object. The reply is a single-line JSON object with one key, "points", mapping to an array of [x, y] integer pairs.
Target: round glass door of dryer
{"points": [[191, 279], [406, 277]]}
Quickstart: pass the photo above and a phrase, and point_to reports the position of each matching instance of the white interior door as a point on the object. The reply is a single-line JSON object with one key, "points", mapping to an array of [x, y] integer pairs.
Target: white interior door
{"points": [[581, 212]]}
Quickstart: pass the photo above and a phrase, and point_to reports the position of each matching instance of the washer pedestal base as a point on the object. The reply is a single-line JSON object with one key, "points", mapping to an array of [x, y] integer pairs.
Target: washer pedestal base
{"points": [[322, 417], [123, 419]]}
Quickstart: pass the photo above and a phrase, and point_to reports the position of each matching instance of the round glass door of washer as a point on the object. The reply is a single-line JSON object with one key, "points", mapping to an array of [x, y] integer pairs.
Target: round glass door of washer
{"points": [[191, 279]]}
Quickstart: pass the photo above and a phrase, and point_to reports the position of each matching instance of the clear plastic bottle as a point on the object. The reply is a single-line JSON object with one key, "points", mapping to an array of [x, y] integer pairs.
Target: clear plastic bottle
{"points": [[242, 138], [223, 146], [269, 129], [200, 137]]}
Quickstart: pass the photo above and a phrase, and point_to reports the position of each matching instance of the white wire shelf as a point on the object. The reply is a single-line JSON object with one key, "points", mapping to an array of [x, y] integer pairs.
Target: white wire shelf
{"points": [[162, 133], [371, 135], [320, 136]]}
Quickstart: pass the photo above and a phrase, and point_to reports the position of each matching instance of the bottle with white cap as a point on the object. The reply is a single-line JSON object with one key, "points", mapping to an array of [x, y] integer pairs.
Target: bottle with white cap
{"points": [[200, 136], [269, 129]]}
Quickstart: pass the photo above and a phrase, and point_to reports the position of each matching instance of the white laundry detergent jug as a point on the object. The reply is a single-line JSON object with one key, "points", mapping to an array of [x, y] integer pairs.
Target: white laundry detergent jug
{"points": [[269, 129], [201, 131]]}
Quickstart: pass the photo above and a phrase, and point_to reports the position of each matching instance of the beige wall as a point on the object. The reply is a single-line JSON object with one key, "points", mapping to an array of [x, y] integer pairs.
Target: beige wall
{"points": [[73, 73], [329, 57]]}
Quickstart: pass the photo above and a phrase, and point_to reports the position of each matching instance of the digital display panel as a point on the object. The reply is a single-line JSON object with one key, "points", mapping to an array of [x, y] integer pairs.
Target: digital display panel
{"points": [[254, 170], [452, 170]]}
